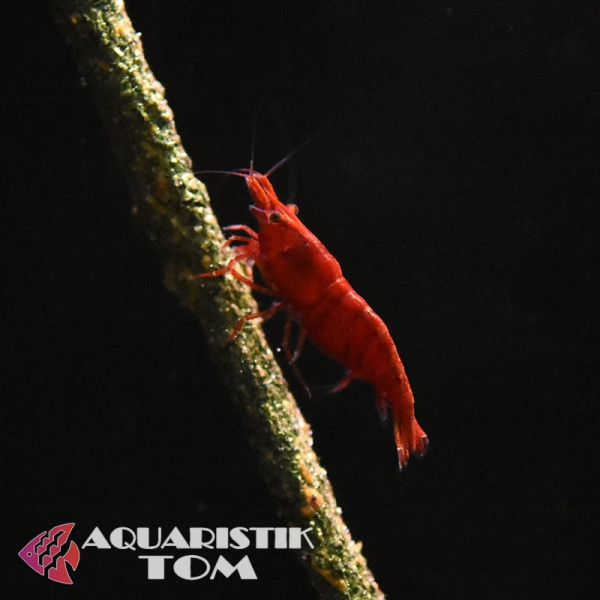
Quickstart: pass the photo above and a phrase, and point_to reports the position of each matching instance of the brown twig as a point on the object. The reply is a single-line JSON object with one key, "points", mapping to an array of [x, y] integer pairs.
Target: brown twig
{"points": [[173, 206]]}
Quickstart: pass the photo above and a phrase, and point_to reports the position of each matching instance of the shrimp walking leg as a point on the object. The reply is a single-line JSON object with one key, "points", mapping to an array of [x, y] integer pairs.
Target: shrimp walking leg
{"points": [[239, 276], [292, 358], [264, 314], [245, 228]]}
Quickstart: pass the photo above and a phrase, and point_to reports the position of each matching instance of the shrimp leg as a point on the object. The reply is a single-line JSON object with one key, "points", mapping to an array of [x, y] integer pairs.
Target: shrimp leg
{"points": [[239, 276], [292, 358], [265, 314]]}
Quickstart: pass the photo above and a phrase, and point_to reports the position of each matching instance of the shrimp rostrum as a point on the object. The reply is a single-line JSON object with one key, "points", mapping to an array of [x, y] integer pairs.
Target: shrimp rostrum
{"points": [[308, 282]]}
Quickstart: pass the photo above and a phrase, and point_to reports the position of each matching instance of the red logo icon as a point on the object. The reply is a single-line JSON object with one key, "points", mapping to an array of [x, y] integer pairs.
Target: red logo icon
{"points": [[42, 553]]}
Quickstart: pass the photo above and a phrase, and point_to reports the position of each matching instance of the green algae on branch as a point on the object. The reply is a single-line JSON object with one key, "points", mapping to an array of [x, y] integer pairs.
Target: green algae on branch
{"points": [[174, 208]]}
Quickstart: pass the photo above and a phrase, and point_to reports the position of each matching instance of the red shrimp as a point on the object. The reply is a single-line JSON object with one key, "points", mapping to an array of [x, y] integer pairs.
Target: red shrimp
{"points": [[298, 269]]}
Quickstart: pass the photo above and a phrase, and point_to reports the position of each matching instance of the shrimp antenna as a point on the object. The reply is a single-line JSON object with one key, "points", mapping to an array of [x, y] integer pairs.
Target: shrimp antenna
{"points": [[240, 173], [252, 150], [250, 171], [295, 151]]}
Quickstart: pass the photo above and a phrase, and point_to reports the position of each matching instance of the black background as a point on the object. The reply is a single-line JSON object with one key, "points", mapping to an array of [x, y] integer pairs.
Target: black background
{"points": [[455, 176]]}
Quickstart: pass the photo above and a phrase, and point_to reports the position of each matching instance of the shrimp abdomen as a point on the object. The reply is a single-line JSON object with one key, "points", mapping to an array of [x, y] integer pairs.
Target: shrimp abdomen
{"points": [[347, 329]]}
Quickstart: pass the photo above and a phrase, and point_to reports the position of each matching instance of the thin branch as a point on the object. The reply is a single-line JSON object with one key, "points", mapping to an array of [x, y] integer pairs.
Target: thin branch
{"points": [[173, 206]]}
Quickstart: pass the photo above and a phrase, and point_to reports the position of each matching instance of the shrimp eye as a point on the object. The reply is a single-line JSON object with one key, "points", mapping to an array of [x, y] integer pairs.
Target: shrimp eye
{"points": [[274, 217], [293, 208]]}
